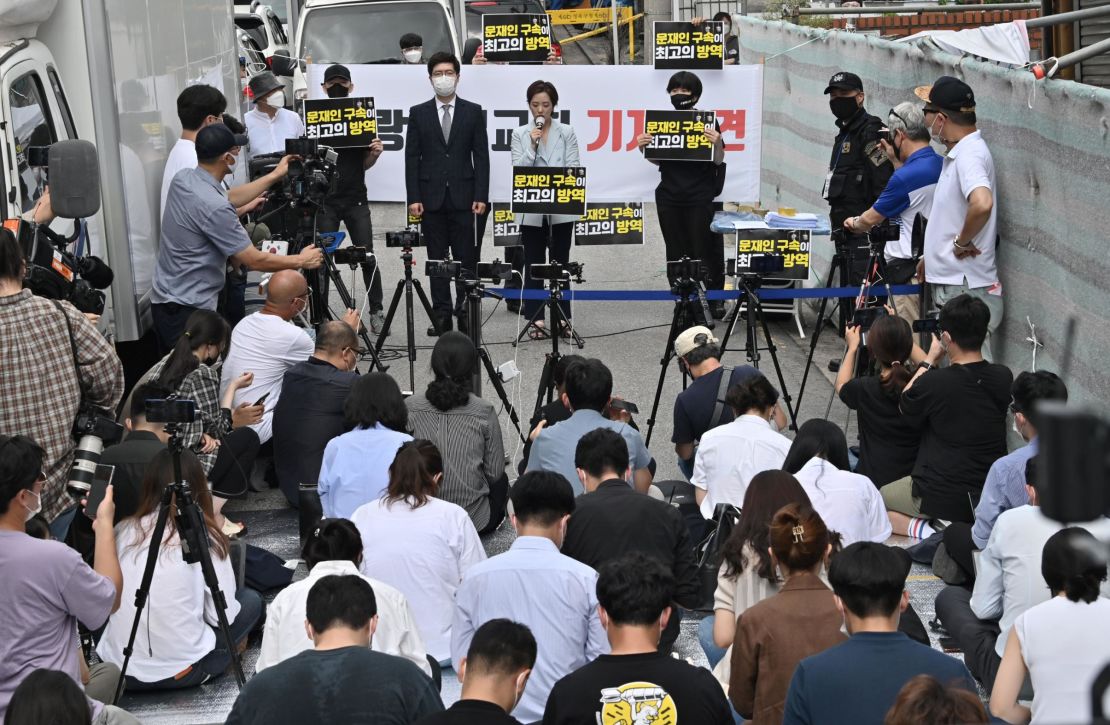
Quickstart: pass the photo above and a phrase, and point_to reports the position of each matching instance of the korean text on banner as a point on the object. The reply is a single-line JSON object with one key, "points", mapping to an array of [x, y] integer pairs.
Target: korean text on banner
{"points": [[341, 122], [683, 46], [606, 118], [516, 37], [610, 224], [679, 135], [791, 246], [549, 190], [506, 229]]}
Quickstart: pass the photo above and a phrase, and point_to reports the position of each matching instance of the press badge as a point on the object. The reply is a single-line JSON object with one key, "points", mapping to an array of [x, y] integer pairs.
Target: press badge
{"points": [[825, 188]]}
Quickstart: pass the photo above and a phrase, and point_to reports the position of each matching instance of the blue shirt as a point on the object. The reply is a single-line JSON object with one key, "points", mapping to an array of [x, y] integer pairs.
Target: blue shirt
{"points": [[355, 469], [856, 682], [200, 230], [1003, 490], [553, 449], [909, 193], [554, 595]]}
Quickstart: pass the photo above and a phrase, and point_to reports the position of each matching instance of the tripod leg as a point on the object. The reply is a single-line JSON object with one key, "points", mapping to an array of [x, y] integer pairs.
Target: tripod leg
{"points": [[677, 319], [547, 384], [821, 309], [410, 332], [758, 308], [495, 381], [389, 314], [729, 323], [531, 323]]}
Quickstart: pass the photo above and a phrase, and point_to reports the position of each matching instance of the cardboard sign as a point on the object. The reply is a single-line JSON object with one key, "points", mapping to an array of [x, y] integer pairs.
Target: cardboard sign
{"points": [[549, 190], [516, 37], [679, 135], [506, 229], [682, 46], [611, 224], [791, 245], [341, 122]]}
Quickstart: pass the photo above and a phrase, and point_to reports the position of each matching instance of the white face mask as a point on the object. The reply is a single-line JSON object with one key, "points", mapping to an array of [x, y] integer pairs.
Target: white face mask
{"points": [[31, 513], [275, 100], [444, 85], [231, 164], [412, 55], [935, 135]]}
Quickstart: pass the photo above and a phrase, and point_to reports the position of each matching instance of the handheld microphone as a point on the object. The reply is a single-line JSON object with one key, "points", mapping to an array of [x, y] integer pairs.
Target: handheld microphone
{"points": [[541, 121]]}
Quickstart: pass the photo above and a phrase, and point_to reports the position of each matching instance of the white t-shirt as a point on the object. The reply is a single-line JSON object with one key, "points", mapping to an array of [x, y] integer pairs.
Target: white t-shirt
{"points": [[729, 455], [267, 346], [847, 502], [423, 552], [183, 155], [967, 167], [176, 626], [267, 134], [285, 636], [1065, 645]]}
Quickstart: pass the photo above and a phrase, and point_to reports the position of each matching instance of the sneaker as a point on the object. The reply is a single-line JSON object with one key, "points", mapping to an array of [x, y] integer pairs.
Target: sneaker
{"points": [[377, 322]]}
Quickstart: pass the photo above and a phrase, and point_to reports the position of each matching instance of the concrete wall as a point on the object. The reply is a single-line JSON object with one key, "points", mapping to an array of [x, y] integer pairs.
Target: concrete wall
{"points": [[1052, 157]]}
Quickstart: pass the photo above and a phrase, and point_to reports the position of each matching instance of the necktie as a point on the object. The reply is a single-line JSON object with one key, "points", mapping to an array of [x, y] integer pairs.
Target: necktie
{"points": [[446, 125]]}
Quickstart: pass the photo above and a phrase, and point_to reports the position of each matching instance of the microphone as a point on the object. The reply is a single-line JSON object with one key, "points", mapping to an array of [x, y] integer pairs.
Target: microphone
{"points": [[95, 271], [541, 121]]}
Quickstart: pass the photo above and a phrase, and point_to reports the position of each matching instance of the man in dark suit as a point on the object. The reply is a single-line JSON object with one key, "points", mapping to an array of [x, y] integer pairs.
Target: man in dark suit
{"points": [[310, 411], [447, 178]]}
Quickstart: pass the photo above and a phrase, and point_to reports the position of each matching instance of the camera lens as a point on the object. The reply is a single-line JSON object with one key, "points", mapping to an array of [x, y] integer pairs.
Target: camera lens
{"points": [[85, 459]]}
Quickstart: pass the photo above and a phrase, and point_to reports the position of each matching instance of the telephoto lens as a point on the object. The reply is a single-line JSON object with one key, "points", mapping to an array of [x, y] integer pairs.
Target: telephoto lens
{"points": [[93, 431]]}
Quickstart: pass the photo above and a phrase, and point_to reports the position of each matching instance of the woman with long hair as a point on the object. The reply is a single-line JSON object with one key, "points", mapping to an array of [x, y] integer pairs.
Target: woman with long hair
{"points": [[420, 544], [220, 437], [466, 431], [848, 502], [335, 548], [178, 644], [800, 620], [48, 697], [747, 576], [1061, 644], [355, 469], [888, 440], [544, 141]]}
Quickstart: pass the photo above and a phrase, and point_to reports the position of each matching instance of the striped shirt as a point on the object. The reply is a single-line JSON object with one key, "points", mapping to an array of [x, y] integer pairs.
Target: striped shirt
{"points": [[469, 439]]}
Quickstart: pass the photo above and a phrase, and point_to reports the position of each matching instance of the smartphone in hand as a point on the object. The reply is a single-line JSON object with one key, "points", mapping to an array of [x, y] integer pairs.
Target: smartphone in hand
{"points": [[102, 478], [262, 400]]}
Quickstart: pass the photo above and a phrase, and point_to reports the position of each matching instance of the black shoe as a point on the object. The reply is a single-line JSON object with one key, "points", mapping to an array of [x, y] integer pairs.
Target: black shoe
{"points": [[444, 322], [717, 309], [513, 306], [462, 325], [834, 366]]}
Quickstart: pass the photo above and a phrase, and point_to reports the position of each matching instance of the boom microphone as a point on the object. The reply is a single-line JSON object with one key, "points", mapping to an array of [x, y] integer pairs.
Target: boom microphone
{"points": [[74, 179], [95, 271]]}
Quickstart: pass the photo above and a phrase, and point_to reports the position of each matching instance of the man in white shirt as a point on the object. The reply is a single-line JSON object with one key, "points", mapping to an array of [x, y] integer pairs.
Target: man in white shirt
{"points": [[197, 106], [1008, 582], [267, 344], [962, 235], [270, 123], [533, 584]]}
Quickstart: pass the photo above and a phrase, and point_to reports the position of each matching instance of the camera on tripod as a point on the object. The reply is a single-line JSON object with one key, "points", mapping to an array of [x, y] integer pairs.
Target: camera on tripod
{"points": [[405, 239], [352, 255], [442, 269], [495, 271], [171, 410], [311, 178], [557, 271]]}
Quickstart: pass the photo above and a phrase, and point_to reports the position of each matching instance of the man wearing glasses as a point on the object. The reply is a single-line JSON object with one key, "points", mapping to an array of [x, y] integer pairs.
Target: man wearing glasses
{"points": [[447, 180], [908, 193], [267, 343]]}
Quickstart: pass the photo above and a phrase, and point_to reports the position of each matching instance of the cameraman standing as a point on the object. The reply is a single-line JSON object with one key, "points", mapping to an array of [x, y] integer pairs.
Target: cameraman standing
{"points": [[348, 204], [201, 229], [43, 345]]}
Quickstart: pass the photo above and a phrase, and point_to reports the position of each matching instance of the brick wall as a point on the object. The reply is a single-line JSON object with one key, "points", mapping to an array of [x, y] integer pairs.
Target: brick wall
{"points": [[899, 26]]}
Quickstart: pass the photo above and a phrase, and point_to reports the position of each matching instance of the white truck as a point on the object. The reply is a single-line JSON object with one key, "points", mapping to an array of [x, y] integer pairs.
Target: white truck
{"points": [[109, 71]]}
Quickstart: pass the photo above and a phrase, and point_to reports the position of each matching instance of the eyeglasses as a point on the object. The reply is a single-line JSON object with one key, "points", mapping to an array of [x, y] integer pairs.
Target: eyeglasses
{"points": [[305, 295]]}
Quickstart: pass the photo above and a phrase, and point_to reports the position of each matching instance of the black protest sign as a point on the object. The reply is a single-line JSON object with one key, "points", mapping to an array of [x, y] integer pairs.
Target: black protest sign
{"points": [[549, 190], [341, 122], [412, 222], [679, 135], [788, 247], [516, 37], [506, 228], [611, 224], [682, 46]]}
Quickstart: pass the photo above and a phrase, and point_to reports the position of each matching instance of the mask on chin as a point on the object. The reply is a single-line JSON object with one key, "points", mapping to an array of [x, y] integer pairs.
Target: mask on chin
{"points": [[338, 91], [843, 108]]}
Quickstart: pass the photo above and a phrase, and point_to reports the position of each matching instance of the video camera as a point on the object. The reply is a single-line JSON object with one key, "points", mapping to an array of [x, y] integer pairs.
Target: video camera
{"points": [[888, 230], [52, 271], [557, 272], [404, 239], [311, 178]]}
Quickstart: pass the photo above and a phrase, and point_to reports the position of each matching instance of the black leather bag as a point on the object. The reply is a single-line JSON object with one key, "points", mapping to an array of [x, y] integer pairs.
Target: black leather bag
{"points": [[725, 519]]}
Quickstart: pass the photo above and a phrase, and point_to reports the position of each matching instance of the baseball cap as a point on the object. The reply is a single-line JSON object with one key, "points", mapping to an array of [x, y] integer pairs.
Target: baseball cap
{"points": [[216, 140], [846, 81], [693, 338], [947, 94], [337, 71]]}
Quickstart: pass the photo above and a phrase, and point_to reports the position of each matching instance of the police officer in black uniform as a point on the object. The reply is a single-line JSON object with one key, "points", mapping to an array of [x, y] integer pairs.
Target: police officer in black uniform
{"points": [[858, 171]]}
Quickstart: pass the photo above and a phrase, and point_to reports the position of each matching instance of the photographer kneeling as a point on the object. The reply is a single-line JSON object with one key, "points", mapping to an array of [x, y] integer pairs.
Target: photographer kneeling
{"points": [[908, 193]]}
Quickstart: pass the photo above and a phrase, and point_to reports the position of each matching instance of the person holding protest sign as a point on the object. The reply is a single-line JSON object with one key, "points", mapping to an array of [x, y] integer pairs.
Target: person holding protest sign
{"points": [[684, 197], [544, 142], [447, 179]]}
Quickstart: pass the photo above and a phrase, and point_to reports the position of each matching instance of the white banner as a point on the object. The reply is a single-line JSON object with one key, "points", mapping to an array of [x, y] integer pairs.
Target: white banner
{"points": [[604, 104]]}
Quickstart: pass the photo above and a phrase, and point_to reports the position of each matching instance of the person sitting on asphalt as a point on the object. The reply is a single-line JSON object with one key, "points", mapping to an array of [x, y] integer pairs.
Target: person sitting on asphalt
{"points": [[869, 584], [310, 413], [355, 469], [335, 548], [589, 390], [342, 679], [729, 455]]}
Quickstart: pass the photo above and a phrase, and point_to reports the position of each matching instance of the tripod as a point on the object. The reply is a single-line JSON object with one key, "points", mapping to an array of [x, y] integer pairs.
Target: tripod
{"points": [[406, 285], [555, 287], [875, 272], [689, 291], [754, 320], [192, 531], [474, 294]]}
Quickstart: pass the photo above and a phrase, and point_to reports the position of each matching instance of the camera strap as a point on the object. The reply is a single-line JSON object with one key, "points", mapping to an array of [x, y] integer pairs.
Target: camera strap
{"points": [[72, 347]]}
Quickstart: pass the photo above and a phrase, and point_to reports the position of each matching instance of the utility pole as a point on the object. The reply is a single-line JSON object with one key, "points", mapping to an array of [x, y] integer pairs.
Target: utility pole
{"points": [[654, 10]]}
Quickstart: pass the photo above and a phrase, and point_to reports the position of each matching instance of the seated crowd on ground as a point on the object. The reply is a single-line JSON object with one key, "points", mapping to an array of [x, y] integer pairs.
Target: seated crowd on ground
{"points": [[575, 623]]}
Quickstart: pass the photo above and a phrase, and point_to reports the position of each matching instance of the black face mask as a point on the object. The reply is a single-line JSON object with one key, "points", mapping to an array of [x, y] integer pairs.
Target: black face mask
{"points": [[683, 101], [338, 91], [843, 108]]}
